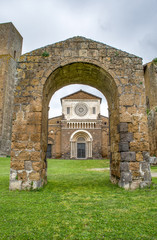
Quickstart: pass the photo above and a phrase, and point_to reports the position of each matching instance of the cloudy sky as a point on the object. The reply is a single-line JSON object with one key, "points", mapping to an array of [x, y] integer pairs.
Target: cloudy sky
{"points": [[129, 25]]}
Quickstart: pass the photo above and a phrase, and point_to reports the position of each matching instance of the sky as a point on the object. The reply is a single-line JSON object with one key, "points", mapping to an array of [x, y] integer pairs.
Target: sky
{"points": [[129, 25]]}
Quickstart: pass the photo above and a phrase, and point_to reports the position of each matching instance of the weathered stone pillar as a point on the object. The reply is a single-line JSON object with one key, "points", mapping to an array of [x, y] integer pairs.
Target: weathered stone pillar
{"points": [[134, 165], [10, 51]]}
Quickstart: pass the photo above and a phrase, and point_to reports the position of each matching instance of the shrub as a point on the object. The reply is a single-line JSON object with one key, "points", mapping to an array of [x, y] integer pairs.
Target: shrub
{"points": [[155, 60], [45, 54]]}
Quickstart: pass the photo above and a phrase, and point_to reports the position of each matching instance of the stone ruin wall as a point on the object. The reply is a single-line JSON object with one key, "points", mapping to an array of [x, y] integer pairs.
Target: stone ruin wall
{"points": [[126, 98], [150, 74], [124, 76], [10, 51]]}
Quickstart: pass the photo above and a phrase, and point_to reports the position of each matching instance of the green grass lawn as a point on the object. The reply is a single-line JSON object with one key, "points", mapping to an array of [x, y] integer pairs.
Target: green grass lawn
{"points": [[77, 204]]}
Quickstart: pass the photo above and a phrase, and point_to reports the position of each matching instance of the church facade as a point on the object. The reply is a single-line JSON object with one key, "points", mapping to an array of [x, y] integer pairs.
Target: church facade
{"points": [[80, 132]]}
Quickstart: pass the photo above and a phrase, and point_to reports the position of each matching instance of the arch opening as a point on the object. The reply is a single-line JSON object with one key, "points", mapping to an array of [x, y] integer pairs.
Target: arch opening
{"points": [[94, 76], [81, 144], [65, 118], [118, 75]]}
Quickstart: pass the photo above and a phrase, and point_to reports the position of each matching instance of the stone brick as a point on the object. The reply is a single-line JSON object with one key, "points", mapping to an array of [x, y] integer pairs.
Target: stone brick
{"points": [[13, 175], [37, 146], [123, 146], [136, 174], [124, 167], [122, 127], [24, 155], [126, 117], [26, 185], [37, 184], [141, 146], [28, 165], [36, 105], [128, 156], [22, 176], [147, 176], [126, 177], [126, 137], [135, 184], [34, 176], [37, 166], [139, 157], [133, 127], [18, 145], [35, 156], [145, 166], [134, 166], [35, 137], [146, 156], [17, 165], [15, 185], [127, 100]]}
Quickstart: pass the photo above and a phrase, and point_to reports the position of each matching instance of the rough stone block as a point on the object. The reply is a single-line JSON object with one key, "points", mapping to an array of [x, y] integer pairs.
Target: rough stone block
{"points": [[147, 176], [134, 166], [145, 166], [126, 137], [122, 127], [17, 165], [22, 176], [139, 156], [153, 160], [15, 185], [28, 165], [126, 177], [26, 185], [37, 184], [124, 167], [123, 146], [128, 156], [35, 156], [135, 184], [13, 175], [145, 184], [34, 176], [36, 166]]}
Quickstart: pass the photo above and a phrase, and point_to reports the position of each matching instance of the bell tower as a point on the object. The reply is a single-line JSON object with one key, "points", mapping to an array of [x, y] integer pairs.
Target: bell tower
{"points": [[10, 51]]}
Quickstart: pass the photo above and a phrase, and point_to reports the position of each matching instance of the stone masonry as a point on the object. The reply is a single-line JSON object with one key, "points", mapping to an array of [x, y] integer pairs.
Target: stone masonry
{"points": [[150, 74], [117, 74], [10, 51]]}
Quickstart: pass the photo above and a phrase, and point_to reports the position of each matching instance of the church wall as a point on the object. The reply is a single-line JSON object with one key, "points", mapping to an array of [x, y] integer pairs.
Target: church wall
{"points": [[96, 144], [105, 137], [89, 103], [54, 136]]}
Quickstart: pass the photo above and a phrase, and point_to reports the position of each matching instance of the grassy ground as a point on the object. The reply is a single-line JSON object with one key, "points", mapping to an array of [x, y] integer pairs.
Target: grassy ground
{"points": [[77, 204]]}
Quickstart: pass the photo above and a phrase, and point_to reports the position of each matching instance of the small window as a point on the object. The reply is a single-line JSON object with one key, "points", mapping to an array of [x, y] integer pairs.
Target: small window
{"points": [[94, 110], [68, 110], [57, 121], [14, 54]]}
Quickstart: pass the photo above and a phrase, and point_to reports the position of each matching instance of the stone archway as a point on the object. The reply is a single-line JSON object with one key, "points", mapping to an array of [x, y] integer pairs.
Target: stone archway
{"points": [[118, 75], [81, 137]]}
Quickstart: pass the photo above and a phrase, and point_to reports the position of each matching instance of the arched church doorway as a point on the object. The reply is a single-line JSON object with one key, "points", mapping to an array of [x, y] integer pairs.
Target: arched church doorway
{"points": [[116, 74], [81, 145]]}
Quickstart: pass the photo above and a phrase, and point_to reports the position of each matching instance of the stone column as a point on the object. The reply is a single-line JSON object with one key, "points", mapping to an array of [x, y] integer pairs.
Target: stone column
{"points": [[134, 165]]}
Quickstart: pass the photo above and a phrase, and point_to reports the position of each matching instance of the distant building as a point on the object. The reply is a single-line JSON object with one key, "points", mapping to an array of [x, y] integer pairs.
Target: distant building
{"points": [[81, 132]]}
